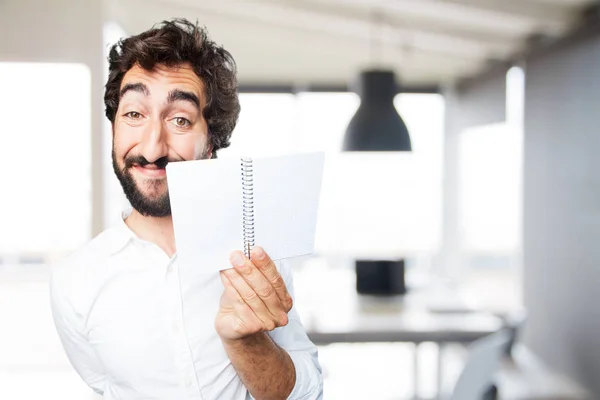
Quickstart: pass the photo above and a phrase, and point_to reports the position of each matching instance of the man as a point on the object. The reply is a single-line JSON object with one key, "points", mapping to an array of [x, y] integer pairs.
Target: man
{"points": [[129, 326]]}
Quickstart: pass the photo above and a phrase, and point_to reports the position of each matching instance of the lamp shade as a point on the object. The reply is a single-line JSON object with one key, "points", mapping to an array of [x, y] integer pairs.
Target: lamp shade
{"points": [[377, 126]]}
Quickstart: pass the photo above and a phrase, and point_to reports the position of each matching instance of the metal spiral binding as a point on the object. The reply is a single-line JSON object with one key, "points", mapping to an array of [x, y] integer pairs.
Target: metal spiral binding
{"points": [[248, 204]]}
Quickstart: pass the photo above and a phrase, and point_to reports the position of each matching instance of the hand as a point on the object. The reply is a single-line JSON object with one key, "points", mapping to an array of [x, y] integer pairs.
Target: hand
{"points": [[255, 298]]}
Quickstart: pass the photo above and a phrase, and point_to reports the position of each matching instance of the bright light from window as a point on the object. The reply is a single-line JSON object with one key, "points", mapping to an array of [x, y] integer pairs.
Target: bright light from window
{"points": [[381, 205], [491, 177], [490, 171], [265, 126], [45, 111]]}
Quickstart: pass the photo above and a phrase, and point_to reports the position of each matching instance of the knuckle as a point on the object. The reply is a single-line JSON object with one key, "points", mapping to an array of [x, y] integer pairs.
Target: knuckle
{"points": [[283, 321], [255, 328], [288, 303], [278, 281], [266, 291], [244, 270], [265, 266], [270, 325], [252, 297]]}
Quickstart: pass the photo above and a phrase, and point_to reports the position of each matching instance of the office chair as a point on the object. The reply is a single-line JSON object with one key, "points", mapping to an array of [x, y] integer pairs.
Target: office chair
{"points": [[476, 379]]}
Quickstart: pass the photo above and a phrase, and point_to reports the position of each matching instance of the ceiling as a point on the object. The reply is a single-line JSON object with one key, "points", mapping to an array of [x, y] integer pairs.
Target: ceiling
{"points": [[326, 42]]}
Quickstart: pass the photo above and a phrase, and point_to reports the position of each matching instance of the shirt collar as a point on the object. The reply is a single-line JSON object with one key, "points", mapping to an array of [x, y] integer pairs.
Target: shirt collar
{"points": [[122, 235]]}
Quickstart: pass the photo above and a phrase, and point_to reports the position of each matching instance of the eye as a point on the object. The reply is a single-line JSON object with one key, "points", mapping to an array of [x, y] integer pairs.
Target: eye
{"points": [[133, 115], [181, 122]]}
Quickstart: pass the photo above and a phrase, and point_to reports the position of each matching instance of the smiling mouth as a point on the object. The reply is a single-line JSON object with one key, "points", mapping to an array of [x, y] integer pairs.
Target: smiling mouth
{"points": [[150, 170]]}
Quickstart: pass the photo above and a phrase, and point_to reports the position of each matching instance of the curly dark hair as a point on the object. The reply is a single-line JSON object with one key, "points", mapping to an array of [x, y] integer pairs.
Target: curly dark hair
{"points": [[174, 43]]}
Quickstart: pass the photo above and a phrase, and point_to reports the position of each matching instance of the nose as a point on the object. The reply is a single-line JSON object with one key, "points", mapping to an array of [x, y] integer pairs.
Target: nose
{"points": [[154, 141]]}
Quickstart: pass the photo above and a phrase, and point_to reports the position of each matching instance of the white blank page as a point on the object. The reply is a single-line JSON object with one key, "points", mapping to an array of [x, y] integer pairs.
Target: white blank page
{"points": [[286, 199], [206, 202]]}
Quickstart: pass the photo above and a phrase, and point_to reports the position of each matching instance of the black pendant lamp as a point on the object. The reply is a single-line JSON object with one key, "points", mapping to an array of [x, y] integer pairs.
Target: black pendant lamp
{"points": [[377, 126]]}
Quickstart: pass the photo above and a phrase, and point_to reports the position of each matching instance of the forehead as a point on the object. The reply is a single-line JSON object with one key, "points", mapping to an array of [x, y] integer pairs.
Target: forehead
{"points": [[163, 78]]}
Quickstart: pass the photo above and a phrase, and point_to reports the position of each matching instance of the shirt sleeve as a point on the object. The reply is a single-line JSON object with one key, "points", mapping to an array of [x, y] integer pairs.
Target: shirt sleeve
{"points": [[293, 339], [69, 327]]}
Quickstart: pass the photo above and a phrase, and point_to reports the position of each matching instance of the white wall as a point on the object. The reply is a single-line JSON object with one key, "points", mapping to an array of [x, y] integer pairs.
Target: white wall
{"points": [[562, 208]]}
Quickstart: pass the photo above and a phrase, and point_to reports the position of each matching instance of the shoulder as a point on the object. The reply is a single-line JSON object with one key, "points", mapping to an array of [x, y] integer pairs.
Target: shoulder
{"points": [[98, 249], [76, 272]]}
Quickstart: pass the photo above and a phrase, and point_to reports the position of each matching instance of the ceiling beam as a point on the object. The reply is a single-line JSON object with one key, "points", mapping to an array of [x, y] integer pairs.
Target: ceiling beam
{"points": [[369, 13], [517, 17], [333, 88], [426, 48], [550, 16], [297, 44], [288, 17]]}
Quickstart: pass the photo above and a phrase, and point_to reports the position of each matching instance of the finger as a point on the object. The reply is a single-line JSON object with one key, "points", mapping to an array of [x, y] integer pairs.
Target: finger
{"points": [[246, 319], [263, 262], [259, 283], [230, 295], [251, 298]]}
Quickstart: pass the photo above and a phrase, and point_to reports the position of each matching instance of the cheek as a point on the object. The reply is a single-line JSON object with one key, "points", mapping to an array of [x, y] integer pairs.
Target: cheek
{"points": [[202, 142], [189, 147], [123, 143], [200, 147]]}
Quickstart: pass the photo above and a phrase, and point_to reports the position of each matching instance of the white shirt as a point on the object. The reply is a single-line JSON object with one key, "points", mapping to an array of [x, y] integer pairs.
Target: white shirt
{"points": [[133, 330]]}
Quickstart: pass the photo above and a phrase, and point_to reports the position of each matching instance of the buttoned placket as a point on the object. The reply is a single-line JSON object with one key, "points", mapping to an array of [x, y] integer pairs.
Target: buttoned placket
{"points": [[183, 352]]}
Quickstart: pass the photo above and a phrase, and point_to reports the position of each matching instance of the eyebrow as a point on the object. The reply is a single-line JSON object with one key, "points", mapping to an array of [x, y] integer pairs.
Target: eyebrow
{"points": [[181, 95], [134, 87]]}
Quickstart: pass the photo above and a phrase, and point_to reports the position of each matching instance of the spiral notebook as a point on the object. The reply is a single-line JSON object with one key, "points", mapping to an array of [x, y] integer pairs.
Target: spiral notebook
{"points": [[221, 205]]}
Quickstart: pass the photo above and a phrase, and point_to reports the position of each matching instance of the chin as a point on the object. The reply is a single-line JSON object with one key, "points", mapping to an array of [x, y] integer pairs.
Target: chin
{"points": [[154, 187], [153, 195], [152, 204]]}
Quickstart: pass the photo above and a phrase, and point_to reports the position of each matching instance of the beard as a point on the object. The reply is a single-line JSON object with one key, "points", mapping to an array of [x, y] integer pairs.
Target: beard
{"points": [[146, 204]]}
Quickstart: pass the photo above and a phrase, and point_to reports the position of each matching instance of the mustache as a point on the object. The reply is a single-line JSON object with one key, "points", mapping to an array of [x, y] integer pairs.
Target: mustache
{"points": [[142, 162]]}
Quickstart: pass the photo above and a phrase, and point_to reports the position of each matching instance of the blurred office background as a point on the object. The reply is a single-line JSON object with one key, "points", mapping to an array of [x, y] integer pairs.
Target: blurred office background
{"points": [[495, 212]]}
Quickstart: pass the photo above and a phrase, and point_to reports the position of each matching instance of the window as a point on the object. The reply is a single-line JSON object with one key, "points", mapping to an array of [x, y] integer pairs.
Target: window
{"points": [[490, 178], [265, 126], [490, 211], [45, 111], [490, 171]]}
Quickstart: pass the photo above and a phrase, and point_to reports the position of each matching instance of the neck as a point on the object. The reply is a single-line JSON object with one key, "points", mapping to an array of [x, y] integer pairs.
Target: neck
{"points": [[158, 230]]}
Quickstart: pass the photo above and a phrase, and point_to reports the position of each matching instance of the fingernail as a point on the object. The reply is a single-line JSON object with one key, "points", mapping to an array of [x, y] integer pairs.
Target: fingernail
{"points": [[237, 259], [259, 253]]}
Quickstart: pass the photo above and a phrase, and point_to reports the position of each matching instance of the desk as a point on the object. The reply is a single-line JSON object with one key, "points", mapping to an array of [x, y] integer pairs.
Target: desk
{"points": [[332, 312]]}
